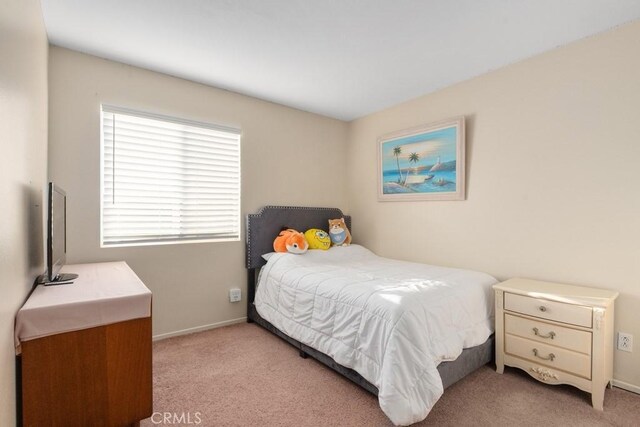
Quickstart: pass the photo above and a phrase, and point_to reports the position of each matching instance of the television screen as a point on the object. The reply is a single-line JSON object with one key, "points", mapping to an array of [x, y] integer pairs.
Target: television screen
{"points": [[57, 236]]}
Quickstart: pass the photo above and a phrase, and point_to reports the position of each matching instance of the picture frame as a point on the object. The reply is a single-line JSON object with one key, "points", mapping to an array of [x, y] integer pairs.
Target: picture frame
{"points": [[423, 163]]}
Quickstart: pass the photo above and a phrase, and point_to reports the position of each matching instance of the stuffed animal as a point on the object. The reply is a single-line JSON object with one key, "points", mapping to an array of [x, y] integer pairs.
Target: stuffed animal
{"points": [[290, 240], [318, 239], [339, 232]]}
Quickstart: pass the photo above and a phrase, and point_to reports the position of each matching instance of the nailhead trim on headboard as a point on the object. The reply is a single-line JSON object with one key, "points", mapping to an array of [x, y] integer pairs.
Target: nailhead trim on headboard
{"points": [[273, 218]]}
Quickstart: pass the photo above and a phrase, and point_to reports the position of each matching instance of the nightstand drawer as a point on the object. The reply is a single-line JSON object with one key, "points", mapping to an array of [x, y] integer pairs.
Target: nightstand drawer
{"points": [[560, 336], [545, 309], [566, 360]]}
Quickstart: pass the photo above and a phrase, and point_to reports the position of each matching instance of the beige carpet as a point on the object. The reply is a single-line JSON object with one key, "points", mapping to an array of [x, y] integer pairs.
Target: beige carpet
{"points": [[242, 375]]}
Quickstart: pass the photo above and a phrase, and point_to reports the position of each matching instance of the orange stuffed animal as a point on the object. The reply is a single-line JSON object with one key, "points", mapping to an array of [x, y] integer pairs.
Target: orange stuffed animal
{"points": [[290, 240]]}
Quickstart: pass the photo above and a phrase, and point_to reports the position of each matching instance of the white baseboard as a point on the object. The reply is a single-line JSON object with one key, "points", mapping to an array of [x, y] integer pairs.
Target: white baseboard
{"points": [[199, 328], [626, 386]]}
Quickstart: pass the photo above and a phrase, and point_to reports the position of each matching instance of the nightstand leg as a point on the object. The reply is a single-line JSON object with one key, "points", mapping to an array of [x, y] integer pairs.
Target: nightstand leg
{"points": [[597, 398], [499, 331], [499, 355], [499, 351]]}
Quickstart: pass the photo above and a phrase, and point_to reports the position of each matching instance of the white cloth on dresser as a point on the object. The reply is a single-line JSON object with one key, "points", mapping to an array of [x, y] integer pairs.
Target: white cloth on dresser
{"points": [[103, 293]]}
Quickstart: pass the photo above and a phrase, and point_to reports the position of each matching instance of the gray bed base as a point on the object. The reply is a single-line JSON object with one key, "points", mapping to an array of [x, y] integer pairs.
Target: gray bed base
{"points": [[261, 229]]}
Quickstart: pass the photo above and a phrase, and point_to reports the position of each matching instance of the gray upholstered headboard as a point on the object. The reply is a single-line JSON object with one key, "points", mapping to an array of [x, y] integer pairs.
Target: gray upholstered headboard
{"points": [[264, 226]]}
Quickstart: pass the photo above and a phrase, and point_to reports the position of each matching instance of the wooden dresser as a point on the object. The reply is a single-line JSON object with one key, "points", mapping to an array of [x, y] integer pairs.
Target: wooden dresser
{"points": [[558, 334], [85, 350]]}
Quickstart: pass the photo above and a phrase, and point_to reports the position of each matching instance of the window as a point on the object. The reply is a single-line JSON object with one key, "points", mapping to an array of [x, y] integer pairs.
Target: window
{"points": [[167, 180]]}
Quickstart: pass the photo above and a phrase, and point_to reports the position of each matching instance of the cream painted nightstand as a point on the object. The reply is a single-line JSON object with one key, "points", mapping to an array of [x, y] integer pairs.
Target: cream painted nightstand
{"points": [[558, 334]]}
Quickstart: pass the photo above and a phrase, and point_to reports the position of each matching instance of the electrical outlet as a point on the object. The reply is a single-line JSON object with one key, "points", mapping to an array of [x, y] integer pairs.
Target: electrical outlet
{"points": [[235, 295], [625, 342]]}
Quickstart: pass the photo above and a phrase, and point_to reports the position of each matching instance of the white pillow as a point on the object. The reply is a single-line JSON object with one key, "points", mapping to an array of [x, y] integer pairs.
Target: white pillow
{"points": [[268, 255]]}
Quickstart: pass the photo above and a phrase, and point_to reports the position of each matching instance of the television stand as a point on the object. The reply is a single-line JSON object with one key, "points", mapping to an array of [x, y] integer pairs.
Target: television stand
{"points": [[61, 279], [86, 350]]}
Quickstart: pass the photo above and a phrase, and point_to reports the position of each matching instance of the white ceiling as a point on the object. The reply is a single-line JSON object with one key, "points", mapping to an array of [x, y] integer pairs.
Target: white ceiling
{"points": [[338, 58]]}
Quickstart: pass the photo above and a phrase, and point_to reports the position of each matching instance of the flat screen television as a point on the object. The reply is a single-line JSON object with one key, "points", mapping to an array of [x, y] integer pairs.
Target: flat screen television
{"points": [[57, 237]]}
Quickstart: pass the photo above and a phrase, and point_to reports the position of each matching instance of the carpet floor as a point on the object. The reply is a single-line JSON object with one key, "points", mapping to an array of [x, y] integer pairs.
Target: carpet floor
{"points": [[242, 375]]}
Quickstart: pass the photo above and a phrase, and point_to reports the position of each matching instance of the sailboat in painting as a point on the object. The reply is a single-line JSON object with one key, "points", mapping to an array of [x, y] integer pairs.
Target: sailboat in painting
{"points": [[417, 179], [438, 166]]}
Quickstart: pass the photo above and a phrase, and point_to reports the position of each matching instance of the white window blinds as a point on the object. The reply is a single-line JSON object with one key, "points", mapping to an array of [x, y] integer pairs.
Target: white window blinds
{"points": [[167, 180]]}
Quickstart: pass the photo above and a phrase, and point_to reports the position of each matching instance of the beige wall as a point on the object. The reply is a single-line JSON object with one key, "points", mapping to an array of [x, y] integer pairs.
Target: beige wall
{"points": [[282, 152], [552, 176], [23, 173]]}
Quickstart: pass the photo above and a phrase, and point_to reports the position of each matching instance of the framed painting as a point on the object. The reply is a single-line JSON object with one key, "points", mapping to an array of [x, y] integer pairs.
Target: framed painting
{"points": [[423, 163]]}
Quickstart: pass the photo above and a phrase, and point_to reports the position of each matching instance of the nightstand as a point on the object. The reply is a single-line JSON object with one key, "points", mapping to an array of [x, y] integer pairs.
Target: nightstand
{"points": [[558, 334]]}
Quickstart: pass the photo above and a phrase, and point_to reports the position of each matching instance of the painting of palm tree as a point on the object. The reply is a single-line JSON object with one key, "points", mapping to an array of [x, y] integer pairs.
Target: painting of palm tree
{"points": [[423, 163], [413, 158], [396, 152]]}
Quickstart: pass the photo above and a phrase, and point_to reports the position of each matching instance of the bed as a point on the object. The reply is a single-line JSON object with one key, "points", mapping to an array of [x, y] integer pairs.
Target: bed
{"points": [[372, 343]]}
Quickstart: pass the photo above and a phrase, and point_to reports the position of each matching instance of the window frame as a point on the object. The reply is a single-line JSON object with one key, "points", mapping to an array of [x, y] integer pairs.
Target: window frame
{"points": [[109, 108]]}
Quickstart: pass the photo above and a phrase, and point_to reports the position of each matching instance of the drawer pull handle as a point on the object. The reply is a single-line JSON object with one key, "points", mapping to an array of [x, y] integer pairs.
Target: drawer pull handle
{"points": [[542, 308], [550, 357], [549, 335]]}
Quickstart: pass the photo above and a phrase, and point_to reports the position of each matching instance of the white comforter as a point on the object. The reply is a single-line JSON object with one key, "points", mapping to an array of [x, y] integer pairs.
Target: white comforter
{"points": [[391, 321]]}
